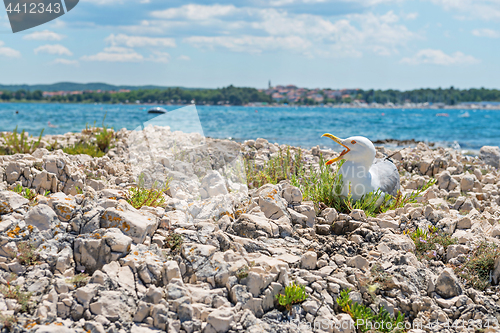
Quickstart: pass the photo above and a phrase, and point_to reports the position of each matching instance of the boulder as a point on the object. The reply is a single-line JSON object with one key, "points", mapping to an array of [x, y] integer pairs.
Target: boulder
{"points": [[358, 262], [130, 222], [292, 194], [490, 155], [42, 217], [309, 260], [253, 226], [447, 284], [93, 251], [213, 185], [221, 319], [272, 204], [467, 183], [10, 201], [113, 305]]}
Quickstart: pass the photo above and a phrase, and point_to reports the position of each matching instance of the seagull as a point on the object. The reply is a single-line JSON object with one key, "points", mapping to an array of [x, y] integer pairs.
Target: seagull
{"points": [[361, 172]]}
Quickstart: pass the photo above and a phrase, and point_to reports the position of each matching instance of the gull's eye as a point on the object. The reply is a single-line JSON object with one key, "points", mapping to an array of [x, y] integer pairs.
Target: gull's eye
{"points": [[353, 141]]}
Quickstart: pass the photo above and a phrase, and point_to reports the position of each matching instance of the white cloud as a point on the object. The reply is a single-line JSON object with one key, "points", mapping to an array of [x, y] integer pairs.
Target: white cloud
{"points": [[250, 44], [115, 54], [196, 12], [468, 9], [279, 3], [139, 41], [411, 16], [66, 62], [44, 35], [53, 49], [8, 52], [184, 57], [438, 57], [486, 33], [123, 54], [162, 57], [311, 35]]}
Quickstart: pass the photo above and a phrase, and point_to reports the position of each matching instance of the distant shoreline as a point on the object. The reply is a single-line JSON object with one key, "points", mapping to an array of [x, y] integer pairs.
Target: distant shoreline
{"points": [[274, 105]]}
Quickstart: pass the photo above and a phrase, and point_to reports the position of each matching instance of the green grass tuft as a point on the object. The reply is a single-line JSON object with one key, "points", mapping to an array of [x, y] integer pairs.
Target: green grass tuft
{"points": [[294, 294], [27, 254], [14, 292], [368, 320], [174, 242], [79, 280], [19, 143], [478, 266], [426, 242], [25, 192], [140, 196], [84, 148]]}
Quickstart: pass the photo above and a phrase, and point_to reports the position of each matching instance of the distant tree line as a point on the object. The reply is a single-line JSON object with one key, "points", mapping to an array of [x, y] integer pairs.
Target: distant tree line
{"points": [[449, 96], [240, 96], [228, 95]]}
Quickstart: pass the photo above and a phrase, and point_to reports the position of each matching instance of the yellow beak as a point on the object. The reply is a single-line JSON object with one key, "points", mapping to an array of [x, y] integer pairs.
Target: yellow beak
{"points": [[339, 141]]}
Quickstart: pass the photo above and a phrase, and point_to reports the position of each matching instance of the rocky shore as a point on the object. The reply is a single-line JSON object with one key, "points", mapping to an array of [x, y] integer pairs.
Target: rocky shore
{"points": [[213, 255]]}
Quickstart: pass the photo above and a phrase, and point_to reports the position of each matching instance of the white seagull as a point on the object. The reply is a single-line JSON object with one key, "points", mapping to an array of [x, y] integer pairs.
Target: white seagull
{"points": [[361, 172]]}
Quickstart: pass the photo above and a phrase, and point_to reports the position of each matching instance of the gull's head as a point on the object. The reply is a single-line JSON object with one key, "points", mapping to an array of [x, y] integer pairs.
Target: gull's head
{"points": [[358, 149]]}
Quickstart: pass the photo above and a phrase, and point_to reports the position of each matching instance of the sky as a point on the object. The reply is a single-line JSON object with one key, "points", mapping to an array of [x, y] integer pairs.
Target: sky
{"points": [[379, 44]]}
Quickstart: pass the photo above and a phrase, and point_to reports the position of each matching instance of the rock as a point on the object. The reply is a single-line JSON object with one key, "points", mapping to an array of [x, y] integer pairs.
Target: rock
{"points": [[93, 251], [308, 260], [464, 223], [130, 222], [113, 305], [344, 324], [292, 195], [454, 250], [495, 276], [329, 214], [307, 209], [358, 215], [54, 328], [297, 218], [467, 183], [444, 180], [358, 262], [42, 217], [159, 313], [212, 185], [398, 242], [172, 271], [197, 254], [10, 201], [221, 319], [253, 226], [387, 223], [490, 155], [143, 311], [271, 203], [323, 229], [117, 240], [447, 284]]}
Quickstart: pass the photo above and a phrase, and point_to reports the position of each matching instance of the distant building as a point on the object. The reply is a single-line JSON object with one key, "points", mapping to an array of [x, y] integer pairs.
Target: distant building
{"points": [[278, 97]]}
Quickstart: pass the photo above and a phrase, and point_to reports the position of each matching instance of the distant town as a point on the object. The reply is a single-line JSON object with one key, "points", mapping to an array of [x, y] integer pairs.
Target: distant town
{"points": [[279, 95], [358, 98]]}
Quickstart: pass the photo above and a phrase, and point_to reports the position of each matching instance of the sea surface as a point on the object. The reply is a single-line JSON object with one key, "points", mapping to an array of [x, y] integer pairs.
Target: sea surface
{"points": [[297, 126]]}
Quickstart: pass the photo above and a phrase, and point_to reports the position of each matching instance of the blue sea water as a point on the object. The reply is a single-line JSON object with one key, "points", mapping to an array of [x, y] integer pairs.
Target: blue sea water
{"points": [[297, 126]]}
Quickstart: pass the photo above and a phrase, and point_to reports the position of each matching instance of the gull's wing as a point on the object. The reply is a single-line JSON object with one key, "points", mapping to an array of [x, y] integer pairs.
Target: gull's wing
{"points": [[388, 176]]}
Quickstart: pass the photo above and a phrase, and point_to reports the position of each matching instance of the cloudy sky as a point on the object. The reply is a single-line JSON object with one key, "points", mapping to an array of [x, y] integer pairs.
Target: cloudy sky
{"points": [[398, 44]]}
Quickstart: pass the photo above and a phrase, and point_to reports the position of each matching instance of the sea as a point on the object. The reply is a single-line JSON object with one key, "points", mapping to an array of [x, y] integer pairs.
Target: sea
{"points": [[297, 126]]}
